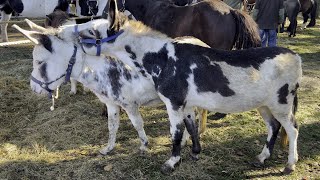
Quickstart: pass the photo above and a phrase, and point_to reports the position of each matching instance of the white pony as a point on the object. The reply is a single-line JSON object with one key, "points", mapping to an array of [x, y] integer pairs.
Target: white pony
{"points": [[187, 75], [28, 8]]}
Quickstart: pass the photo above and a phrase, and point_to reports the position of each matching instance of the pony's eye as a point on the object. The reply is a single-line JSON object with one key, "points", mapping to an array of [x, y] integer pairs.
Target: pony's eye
{"points": [[91, 32]]}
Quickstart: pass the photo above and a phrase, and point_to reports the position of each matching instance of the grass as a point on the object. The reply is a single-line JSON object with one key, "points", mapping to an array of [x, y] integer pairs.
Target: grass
{"points": [[36, 143]]}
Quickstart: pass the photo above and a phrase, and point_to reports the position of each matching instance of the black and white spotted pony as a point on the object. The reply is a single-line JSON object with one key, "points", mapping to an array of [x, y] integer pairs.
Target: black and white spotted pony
{"points": [[186, 75]]}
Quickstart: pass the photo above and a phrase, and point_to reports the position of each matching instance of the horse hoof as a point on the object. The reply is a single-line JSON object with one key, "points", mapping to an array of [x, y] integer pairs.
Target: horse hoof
{"points": [[166, 169], [194, 157], [257, 164], [287, 171], [72, 93]]}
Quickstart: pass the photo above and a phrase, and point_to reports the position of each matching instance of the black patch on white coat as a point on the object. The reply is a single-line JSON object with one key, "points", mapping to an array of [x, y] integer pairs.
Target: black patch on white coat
{"points": [[114, 76], [43, 71], [173, 86], [46, 42], [283, 93], [132, 54], [7, 9], [275, 125], [192, 129], [177, 137]]}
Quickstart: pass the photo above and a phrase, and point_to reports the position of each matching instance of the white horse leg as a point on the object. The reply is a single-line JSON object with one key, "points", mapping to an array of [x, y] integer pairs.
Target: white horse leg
{"points": [[137, 122], [289, 124], [113, 125], [176, 131], [73, 83], [4, 27], [273, 128]]}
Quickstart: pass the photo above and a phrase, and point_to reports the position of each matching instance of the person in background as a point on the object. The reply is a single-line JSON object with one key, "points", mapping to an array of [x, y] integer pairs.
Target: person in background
{"points": [[268, 14], [235, 4]]}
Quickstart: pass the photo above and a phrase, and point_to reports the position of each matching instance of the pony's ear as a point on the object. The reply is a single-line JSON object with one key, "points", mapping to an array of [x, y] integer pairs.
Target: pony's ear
{"points": [[34, 26], [110, 12], [32, 35]]}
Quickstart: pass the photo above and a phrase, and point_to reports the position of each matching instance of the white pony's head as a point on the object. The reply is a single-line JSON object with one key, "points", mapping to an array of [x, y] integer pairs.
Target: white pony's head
{"points": [[50, 60]]}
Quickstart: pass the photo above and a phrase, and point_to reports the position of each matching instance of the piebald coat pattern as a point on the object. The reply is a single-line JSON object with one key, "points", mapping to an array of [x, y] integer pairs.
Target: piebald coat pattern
{"points": [[187, 75], [114, 83]]}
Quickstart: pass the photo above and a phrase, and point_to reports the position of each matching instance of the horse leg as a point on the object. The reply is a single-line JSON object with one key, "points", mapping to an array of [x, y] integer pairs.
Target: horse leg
{"points": [[305, 20], [313, 15], [186, 135], [192, 129], [4, 27], [73, 84], [289, 124], [137, 122], [113, 125], [176, 131], [283, 112], [295, 27], [273, 129]]}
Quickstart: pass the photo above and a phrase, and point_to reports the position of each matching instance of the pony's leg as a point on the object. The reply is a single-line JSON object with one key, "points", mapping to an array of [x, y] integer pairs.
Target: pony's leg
{"points": [[137, 122], [176, 131], [192, 129], [273, 129], [186, 135], [113, 125], [4, 27], [73, 84], [288, 122]]}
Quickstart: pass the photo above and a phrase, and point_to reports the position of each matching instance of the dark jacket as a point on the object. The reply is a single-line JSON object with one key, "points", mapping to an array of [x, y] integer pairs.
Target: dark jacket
{"points": [[268, 13]]}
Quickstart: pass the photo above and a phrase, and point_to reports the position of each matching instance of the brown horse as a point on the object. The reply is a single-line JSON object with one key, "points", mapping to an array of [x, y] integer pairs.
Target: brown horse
{"points": [[211, 21]]}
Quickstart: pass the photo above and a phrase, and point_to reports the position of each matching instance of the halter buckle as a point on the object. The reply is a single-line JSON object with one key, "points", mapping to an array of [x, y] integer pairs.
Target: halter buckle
{"points": [[98, 41]]}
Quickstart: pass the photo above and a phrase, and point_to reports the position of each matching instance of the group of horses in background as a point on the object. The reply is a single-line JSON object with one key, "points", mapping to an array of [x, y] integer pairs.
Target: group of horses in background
{"points": [[308, 8], [173, 13]]}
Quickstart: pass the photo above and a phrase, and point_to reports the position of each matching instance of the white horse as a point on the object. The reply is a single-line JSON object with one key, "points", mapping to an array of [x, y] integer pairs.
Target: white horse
{"points": [[28, 8], [187, 75]]}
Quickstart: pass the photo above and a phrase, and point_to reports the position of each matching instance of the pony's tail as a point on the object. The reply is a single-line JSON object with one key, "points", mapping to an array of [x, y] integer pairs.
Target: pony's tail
{"points": [[283, 134], [247, 35]]}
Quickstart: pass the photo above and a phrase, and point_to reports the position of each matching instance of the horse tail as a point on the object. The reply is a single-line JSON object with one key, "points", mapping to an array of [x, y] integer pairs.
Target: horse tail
{"points": [[283, 133], [202, 120], [247, 32]]}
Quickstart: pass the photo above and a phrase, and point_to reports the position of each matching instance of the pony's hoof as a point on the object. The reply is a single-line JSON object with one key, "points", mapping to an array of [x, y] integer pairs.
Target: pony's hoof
{"points": [[257, 164], [287, 171], [166, 169], [72, 93], [194, 157]]}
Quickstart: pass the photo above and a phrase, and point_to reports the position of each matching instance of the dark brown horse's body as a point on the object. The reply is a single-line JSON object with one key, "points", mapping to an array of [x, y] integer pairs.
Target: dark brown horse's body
{"points": [[212, 21]]}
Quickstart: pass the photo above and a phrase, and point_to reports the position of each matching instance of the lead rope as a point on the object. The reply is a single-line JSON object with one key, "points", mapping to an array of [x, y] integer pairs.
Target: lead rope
{"points": [[53, 98]]}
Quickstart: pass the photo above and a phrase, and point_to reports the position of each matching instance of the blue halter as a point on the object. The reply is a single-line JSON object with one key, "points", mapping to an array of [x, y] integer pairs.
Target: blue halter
{"points": [[45, 85], [96, 42]]}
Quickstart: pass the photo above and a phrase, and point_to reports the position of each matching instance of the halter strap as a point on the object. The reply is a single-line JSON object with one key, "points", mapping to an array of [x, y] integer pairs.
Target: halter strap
{"points": [[96, 42], [45, 85]]}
